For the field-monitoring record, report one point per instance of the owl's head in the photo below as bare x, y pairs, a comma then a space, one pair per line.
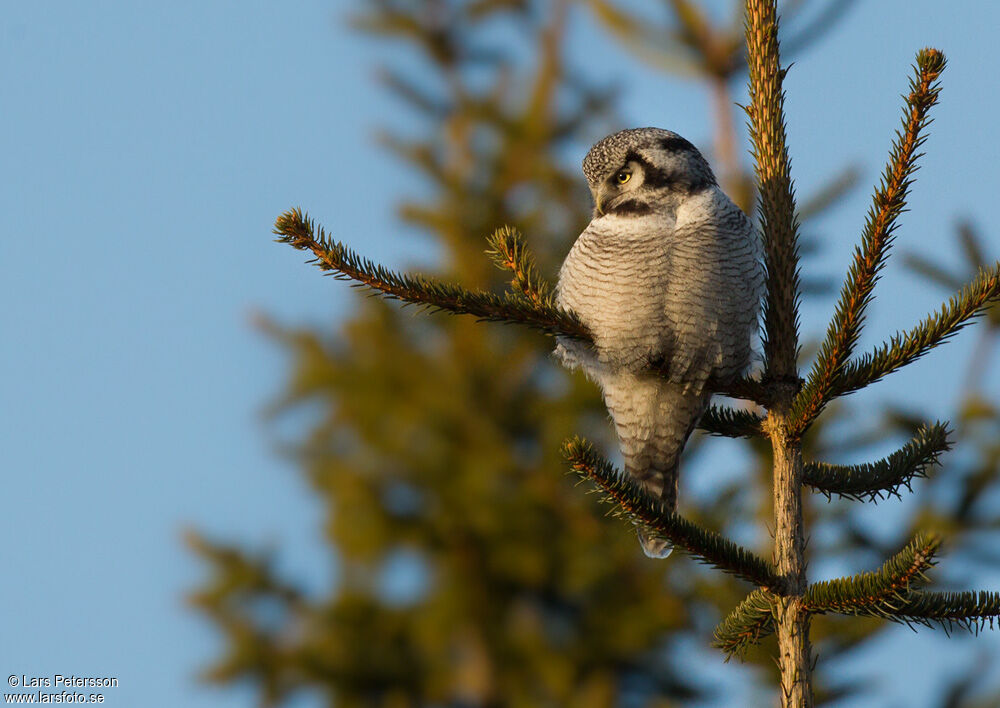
642, 170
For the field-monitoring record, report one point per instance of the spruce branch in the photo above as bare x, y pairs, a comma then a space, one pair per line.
509, 252
299, 231
731, 422
776, 203
634, 503
888, 202
871, 480
746, 625
746, 388
905, 348
877, 592
969, 610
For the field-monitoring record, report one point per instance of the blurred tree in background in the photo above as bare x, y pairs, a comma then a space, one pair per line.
434, 444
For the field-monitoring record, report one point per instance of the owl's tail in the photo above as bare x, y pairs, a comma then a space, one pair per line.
654, 419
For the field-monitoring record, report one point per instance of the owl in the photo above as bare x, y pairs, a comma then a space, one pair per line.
667, 275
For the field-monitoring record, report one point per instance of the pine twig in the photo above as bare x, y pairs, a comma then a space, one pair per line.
905, 348
509, 252
299, 231
871, 480
969, 610
746, 625
731, 422
888, 202
633, 502
777, 198
876, 592
748, 389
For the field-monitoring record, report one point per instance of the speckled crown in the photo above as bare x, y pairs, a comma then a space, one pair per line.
609, 153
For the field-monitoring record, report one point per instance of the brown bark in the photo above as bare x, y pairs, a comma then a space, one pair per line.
791, 619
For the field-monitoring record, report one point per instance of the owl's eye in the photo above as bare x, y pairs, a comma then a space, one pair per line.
623, 176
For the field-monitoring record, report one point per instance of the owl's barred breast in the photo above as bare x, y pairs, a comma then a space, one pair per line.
612, 279
677, 288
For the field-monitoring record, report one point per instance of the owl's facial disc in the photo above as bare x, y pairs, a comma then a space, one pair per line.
644, 171
618, 188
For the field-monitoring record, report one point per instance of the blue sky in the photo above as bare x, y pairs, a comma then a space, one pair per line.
147, 148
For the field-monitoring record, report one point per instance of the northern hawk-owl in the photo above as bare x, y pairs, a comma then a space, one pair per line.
668, 275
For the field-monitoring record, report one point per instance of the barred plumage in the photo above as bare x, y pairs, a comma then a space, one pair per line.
667, 272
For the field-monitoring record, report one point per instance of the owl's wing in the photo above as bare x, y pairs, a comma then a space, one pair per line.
574, 293
713, 294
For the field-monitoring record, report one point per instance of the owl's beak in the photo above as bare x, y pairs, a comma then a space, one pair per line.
599, 201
